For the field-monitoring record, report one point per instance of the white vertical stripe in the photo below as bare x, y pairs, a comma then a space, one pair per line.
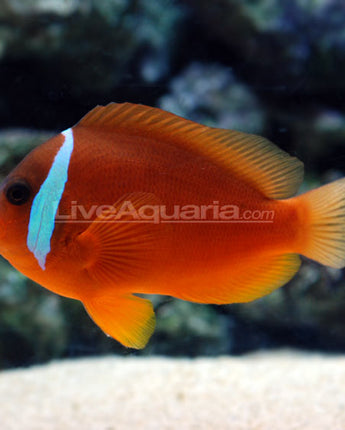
46, 202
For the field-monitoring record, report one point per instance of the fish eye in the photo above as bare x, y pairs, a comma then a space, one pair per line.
18, 193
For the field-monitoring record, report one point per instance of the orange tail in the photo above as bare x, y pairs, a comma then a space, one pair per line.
324, 224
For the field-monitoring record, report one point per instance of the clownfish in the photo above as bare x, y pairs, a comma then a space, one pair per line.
134, 200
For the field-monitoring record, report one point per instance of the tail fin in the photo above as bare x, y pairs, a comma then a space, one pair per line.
325, 236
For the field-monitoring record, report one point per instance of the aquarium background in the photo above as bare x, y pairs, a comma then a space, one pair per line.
272, 67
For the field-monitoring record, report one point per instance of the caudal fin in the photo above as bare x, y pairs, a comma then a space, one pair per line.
325, 224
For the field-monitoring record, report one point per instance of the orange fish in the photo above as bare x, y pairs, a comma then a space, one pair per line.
133, 199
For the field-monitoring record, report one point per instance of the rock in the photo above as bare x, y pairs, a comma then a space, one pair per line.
319, 138
184, 328
306, 313
15, 144
296, 43
79, 50
28, 8
210, 94
314, 133
32, 324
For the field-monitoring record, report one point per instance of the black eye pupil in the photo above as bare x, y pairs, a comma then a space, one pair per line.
18, 193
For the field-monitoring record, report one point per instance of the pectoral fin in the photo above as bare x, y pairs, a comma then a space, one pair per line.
127, 318
117, 250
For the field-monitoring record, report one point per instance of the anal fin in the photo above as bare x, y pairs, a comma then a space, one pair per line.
127, 318
246, 282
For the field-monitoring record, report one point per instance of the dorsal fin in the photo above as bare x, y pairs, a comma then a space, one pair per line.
252, 158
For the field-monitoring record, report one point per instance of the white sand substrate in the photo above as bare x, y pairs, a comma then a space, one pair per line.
271, 391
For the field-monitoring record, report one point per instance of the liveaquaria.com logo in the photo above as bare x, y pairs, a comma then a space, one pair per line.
129, 212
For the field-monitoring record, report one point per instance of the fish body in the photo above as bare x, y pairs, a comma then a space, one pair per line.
136, 200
